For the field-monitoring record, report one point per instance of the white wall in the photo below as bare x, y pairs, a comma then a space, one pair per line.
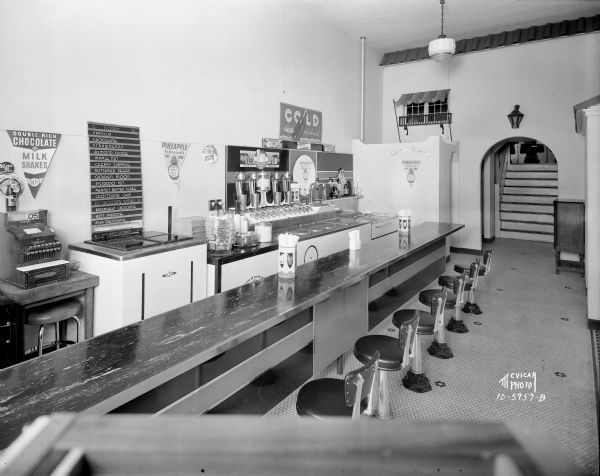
546, 78
382, 170
201, 72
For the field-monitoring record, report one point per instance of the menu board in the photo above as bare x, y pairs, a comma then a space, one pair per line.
116, 177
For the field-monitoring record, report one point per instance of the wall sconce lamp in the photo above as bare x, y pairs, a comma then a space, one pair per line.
515, 117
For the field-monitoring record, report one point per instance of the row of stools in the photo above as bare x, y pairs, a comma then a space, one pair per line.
366, 390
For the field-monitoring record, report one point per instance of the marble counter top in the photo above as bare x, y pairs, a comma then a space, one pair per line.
102, 373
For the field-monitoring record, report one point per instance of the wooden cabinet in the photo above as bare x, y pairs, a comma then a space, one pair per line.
569, 231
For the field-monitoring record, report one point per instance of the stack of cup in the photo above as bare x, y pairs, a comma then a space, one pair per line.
287, 255
404, 217
354, 240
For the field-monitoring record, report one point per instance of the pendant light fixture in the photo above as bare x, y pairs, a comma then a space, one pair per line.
442, 48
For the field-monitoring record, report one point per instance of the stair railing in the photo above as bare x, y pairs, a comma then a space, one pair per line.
504, 167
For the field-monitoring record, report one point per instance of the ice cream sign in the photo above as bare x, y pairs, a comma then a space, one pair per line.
37, 151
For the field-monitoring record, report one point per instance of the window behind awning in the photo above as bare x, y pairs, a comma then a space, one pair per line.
424, 96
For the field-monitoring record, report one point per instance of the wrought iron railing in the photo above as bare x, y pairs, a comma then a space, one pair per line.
425, 119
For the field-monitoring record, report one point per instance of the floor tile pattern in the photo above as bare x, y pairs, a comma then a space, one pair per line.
533, 321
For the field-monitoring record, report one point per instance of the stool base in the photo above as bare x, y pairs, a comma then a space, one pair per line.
441, 351
455, 325
379, 401
416, 382
474, 308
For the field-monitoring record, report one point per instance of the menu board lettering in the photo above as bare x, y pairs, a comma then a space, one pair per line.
116, 177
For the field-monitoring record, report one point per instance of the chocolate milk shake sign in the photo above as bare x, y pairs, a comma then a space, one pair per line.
38, 151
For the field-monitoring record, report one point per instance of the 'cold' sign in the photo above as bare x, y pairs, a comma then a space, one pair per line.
300, 123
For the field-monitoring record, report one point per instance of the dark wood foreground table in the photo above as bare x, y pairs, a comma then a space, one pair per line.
249, 445
103, 373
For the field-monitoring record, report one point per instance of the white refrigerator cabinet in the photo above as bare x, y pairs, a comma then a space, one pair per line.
139, 288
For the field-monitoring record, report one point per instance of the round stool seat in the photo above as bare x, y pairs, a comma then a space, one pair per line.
448, 282
54, 312
315, 399
426, 296
463, 268
426, 320
390, 357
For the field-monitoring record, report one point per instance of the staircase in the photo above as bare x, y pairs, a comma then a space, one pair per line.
526, 202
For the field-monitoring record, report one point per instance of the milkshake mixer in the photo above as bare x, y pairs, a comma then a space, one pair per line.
285, 189
252, 187
276, 188
245, 191
240, 196
263, 185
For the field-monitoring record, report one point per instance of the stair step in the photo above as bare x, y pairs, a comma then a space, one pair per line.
524, 182
514, 225
544, 174
519, 235
553, 191
526, 207
532, 167
537, 199
527, 217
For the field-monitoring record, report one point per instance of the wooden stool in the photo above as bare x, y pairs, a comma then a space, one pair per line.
54, 313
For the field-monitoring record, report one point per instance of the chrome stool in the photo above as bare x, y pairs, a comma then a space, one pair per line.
439, 348
484, 269
456, 324
429, 324
54, 313
394, 354
329, 397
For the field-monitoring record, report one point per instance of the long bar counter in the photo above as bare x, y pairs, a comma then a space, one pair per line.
103, 373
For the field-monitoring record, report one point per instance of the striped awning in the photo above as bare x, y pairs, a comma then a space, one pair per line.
506, 38
424, 96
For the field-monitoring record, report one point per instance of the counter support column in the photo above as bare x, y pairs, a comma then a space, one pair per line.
592, 210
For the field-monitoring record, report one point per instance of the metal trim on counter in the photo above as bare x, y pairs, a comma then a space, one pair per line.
125, 255
100, 374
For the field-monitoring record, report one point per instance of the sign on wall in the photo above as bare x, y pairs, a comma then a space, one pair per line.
300, 123
174, 153
38, 151
116, 176
411, 166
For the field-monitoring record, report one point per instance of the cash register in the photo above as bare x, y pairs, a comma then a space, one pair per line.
30, 252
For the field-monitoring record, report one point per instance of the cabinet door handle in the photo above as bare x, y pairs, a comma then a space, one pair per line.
169, 274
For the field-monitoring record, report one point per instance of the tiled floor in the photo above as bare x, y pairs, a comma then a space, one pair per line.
533, 321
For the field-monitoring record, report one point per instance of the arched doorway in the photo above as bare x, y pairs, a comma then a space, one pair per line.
519, 183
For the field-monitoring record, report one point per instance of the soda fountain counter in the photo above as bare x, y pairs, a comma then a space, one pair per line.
197, 357
320, 233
